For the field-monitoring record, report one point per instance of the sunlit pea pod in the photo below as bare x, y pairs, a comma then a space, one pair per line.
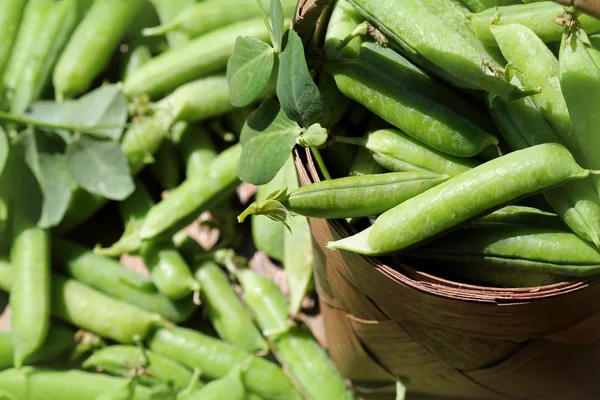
442, 50
522, 125
167, 10
10, 19
539, 17
343, 22
296, 349
123, 359
580, 84
125, 392
136, 58
414, 113
482, 5
33, 383
226, 311
31, 286
216, 359
201, 18
200, 57
523, 215
465, 197
90, 47
230, 387
197, 150
60, 339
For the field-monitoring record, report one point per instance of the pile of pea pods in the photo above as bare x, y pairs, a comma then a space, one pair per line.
462, 138
125, 271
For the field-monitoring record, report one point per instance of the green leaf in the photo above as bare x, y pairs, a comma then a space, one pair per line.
101, 112
249, 69
4, 149
57, 186
298, 94
267, 139
100, 167
277, 23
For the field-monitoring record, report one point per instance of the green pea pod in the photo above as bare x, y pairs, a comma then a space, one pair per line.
482, 5
200, 57
522, 125
353, 196
60, 340
167, 10
193, 196
465, 197
267, 234
522, 215
229, 387
201, 18
526, 248
442, 49
47, 384
122, 359
296, 349
5, 276
364, 164
57, 26
298, 258
395, 151
197, 150
414, 113
216, 359
580, 84
343, 22
32, 23
31, 287
137, 57
226, 311
126, 392
10, 19
165, 167
537, 16
89, 50
169, 271
538, 67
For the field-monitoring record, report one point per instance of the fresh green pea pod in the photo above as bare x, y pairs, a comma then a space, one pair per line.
414, 113
364, 164
125, 392
465, 197
60, 340
169, 271
47, 384
442, 49
89, 50
537, 16
122, 359
352, 196
226, 311
230, 387
252, 396
11, 12
482, 5
167, 10
31, 287
137, 57
297, 350
112, 278
206, 16
197, 150
528, 248
200, 57
343, 22
522, 125
216, 359
32, 23
57, 27
165, 167
539, 68
193, 196
522, 215
580, 84
407, 154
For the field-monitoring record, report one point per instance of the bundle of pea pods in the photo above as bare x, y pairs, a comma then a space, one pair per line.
126, 271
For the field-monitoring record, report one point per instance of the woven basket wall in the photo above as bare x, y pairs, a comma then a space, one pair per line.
386, 320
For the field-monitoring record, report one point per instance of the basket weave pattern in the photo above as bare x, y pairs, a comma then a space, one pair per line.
384, 320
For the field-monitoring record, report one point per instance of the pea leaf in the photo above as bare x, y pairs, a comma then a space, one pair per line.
249, 69
267, 139
298, 94
100, 167
57, 187
4, 149
277, 23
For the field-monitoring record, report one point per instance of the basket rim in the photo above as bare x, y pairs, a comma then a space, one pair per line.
424, 282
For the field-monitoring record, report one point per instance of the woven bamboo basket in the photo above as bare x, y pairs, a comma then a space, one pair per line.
384, 320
